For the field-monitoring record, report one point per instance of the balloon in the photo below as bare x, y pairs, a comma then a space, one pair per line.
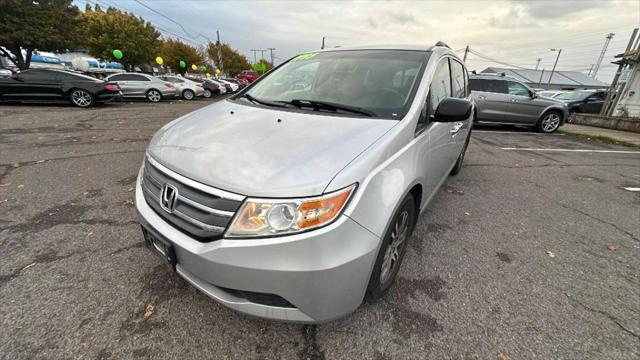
203, 68
217, 71
183, 64
159, 60
208, 75
194, 67
117, 54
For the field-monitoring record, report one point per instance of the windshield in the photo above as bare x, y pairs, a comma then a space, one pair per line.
574, 95
380, 82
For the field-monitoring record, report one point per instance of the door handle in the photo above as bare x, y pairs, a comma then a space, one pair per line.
482, 97
456, 127
513, 100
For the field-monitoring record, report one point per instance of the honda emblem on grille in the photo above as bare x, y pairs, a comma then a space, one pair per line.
168, 197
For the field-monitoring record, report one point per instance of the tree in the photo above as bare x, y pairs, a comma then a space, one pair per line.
267, 65
233, 62
113, 29
47, 25
175, 50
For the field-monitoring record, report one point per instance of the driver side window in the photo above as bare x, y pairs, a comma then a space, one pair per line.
439, 90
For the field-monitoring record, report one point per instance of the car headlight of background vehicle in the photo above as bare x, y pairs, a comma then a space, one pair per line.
269, 217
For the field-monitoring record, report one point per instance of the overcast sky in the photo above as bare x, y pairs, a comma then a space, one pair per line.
513, 32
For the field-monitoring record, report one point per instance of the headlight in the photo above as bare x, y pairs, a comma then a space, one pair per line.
269, 217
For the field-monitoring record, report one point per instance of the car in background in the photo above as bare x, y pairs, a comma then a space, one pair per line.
583, 101
231, 87
249, 75
143, 86
549, 94
502, 99
186, 88
211, 88
53, 84
242, 83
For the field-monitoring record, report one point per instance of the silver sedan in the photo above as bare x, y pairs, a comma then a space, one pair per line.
186, 88
137, 85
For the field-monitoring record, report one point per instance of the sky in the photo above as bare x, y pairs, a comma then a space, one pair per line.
513, 32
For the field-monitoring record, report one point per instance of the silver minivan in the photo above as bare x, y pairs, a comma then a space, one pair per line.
295, 199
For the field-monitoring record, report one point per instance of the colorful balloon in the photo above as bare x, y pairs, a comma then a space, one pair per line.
117, 54
208, 75
159, 60
194, 67
183, 64
217, 71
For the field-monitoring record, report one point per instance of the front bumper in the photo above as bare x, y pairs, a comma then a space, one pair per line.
323, 273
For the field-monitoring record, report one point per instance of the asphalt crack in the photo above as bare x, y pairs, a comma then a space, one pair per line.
310, 348
632, 236
607, 315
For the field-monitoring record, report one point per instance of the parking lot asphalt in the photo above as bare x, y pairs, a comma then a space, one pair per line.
525, 254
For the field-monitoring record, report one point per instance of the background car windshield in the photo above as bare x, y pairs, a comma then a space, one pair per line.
573, 95
381, 81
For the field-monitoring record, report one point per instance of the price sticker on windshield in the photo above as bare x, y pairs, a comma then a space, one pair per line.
305, 57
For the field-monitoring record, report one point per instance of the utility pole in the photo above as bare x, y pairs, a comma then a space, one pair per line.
554, 66
538, 62
466, 51
604, 49
219, 46
540, 81
607, 108
322, 47
255, 60
591, 68
271, 51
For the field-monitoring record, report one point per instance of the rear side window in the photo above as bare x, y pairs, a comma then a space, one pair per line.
136, 78
495, 86
120, 77
516, 88
457, 79
476, 85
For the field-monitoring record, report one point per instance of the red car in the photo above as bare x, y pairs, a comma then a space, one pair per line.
249, 75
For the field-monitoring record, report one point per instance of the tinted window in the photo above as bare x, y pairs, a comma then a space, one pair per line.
476, 85
457, 79
37, 75
440, 86
62, 75
119, 77
517, 89
495, 86
132, 77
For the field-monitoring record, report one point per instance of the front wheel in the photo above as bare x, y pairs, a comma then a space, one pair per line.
207, 93
549, 123
392, 250
154, 96
82, 98
188, 95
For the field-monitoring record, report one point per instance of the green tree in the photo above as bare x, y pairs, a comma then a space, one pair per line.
47, 25
175, 50
267, 65
113, 29
233, 62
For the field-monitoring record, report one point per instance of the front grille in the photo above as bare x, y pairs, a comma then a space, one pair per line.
199, 210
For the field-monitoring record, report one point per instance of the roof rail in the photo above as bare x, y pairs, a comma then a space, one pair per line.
442, 43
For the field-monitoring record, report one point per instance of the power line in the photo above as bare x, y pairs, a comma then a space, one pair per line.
173, 21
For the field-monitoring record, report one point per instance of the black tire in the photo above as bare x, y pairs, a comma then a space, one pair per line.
82, 98
458, 166
154, 96
207, 93
188, 95
546, 125
380, 284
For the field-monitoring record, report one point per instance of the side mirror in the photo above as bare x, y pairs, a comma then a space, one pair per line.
533, 94
453, 110
15, 75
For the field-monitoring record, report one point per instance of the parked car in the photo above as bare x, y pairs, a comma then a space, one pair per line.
242, 83
186, 88
503, 99
50, 84
296, 205
549, 94
583, 101
137, 85
249, 75
231, 87
210, 88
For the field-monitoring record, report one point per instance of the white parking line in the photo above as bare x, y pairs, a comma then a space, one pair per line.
515, 132
575, 150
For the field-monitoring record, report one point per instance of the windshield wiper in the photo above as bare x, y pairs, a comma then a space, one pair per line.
262, 102
330, 106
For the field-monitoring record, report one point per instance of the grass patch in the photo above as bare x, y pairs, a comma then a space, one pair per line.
598, 138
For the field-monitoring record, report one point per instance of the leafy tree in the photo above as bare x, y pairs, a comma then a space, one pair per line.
175, 50
47, 25
113, 29
233, 62
267, 65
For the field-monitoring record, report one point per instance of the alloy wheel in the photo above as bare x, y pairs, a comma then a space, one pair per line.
394, 249
550, 122
154, 95
188, 94
81, 98
207, 93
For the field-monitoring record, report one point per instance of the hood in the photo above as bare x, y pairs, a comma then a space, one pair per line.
263, 151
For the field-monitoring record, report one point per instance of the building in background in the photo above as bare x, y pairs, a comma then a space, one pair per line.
561, 80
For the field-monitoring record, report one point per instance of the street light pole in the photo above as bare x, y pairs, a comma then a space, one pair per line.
538, 62
554, 66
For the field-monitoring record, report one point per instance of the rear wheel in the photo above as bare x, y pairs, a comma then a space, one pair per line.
392, 250
549, 122
207, 93
154, 96
188, 95
82, 98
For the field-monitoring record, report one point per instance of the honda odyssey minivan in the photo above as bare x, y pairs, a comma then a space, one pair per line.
295, 199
